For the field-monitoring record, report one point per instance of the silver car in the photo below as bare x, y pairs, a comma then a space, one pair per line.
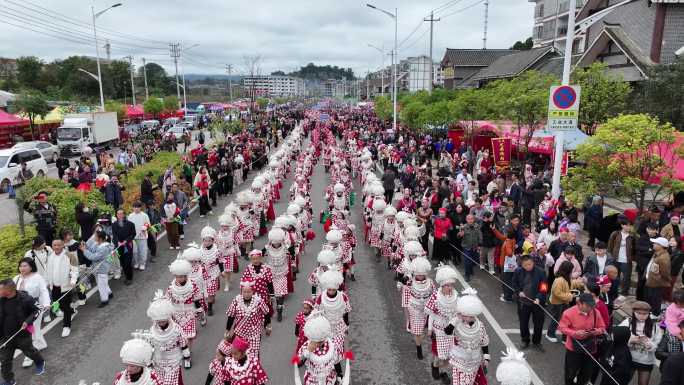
49, 151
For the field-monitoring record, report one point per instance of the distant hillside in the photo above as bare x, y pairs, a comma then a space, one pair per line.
314, 72
213, 77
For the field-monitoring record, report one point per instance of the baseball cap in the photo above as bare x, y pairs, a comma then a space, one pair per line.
660, 241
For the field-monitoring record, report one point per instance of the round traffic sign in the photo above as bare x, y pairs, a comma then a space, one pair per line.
564, 97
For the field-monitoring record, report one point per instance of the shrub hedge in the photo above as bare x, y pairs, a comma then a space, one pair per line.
13, 247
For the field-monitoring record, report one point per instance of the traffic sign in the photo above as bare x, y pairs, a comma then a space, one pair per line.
564, 102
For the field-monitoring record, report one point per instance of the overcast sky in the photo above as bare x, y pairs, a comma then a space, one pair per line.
287, 34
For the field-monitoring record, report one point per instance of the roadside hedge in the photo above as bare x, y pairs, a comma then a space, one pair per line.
13, 247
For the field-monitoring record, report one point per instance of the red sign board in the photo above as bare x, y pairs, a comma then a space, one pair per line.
564, 163
501, 151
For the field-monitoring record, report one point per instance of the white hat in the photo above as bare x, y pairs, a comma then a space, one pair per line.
280, 222
293, 209
136, 352
402, 216
276, 235
326, 257
242, 199
192, 253
258, 182
469, 304
420, 266
445, 274
513, 370
413, 248
273, 163
180, 267
291, 220
334, 236
410, 222
331, 279
317, 328
378, 190
411, 233
338, 188
390, 211
239, 159
160, 308
231, 209
379, 204
660, 241
208, 232
300, 201
226, 220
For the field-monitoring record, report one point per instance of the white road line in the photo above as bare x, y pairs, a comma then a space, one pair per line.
501, 332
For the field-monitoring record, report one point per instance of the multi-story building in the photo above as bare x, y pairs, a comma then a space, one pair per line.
334, 88
419, 69
275, 86
551, 23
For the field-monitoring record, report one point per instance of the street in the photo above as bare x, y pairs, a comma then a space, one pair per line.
384, 352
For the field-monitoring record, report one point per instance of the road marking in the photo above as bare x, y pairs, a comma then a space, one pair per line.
501, 332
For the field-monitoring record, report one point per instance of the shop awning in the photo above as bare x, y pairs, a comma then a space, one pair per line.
9, 120
136, 111
53, 117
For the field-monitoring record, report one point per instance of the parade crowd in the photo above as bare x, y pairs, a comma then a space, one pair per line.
435, 215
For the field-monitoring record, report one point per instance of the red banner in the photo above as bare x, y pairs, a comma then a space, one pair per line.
564, 163
501, 150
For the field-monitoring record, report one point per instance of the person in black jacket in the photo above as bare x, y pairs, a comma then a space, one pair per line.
86, 220
515, 194
530, 288
45, 214
147, 190
619, 360
123, 233
62, 164
644, 252
673, 370
17, 311
112, 192
489, 242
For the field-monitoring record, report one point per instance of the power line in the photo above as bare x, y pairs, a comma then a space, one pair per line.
446, 6
418, 39
53, 14
410, 34
463, 9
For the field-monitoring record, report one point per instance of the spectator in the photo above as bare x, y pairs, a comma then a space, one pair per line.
569, 255
62, 275
581, 324
147, 190
644, 251
515, 193
595, 265
643, 341
471, 239
39, 255
17, 310
673, 370
123, 234
619, 361
549, 234
113, 192
572, 242
657, 274
621, 246
25, 174
669, 344
62, 165
182, 203
557, 246
45, 214
593, 219
35, 286
142, 222
442, 225
489, 243
561, 297
529, 284
674, 314
98, 250
202, 184
171, 212
388, 178
86, 219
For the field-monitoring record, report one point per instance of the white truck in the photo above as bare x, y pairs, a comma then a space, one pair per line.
78, 131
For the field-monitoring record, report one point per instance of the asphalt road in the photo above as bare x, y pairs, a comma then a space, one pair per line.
384, 352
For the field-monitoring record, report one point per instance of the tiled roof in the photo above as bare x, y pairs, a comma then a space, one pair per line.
625, 44
512, 65
474, 57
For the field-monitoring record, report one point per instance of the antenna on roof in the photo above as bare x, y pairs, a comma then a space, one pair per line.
486, 19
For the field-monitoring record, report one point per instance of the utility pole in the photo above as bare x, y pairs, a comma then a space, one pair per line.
147, 93
132, 69
108, 49
486, 20
229, 68
367, 85
175, 54
432, 21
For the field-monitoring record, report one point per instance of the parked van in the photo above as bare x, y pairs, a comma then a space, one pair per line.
10, 164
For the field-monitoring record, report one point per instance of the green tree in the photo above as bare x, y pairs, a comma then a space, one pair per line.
661, 94
154, 106
117, 78
262, 103
158, 82
28, 71
602, 96
383, 108
437, 115
119, 108
623, 158
170, 103
410, 115
523, 45
33, 104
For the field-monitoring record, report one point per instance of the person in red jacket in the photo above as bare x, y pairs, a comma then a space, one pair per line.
442, 225
202, 184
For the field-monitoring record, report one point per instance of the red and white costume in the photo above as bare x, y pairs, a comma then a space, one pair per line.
377, 220
336, 308
387, 231
279, 261
229, 251
210, 260
245, 371
185, 299
319, 363
466, 355
419, 293
248, 318
246, 225
440, 309
262, 275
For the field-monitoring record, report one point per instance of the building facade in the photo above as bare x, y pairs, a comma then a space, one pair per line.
274, 86
458, 66
551, 24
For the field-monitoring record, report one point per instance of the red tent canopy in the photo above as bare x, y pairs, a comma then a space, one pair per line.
669, 155
9, 120
134, 112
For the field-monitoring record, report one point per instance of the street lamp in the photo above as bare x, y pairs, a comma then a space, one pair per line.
185, 100
97, 49
394, 64
573, 29
382, 71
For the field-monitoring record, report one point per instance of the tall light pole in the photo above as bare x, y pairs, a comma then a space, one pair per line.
97, 49
382, 71
394, 62
185, 100
584, 24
